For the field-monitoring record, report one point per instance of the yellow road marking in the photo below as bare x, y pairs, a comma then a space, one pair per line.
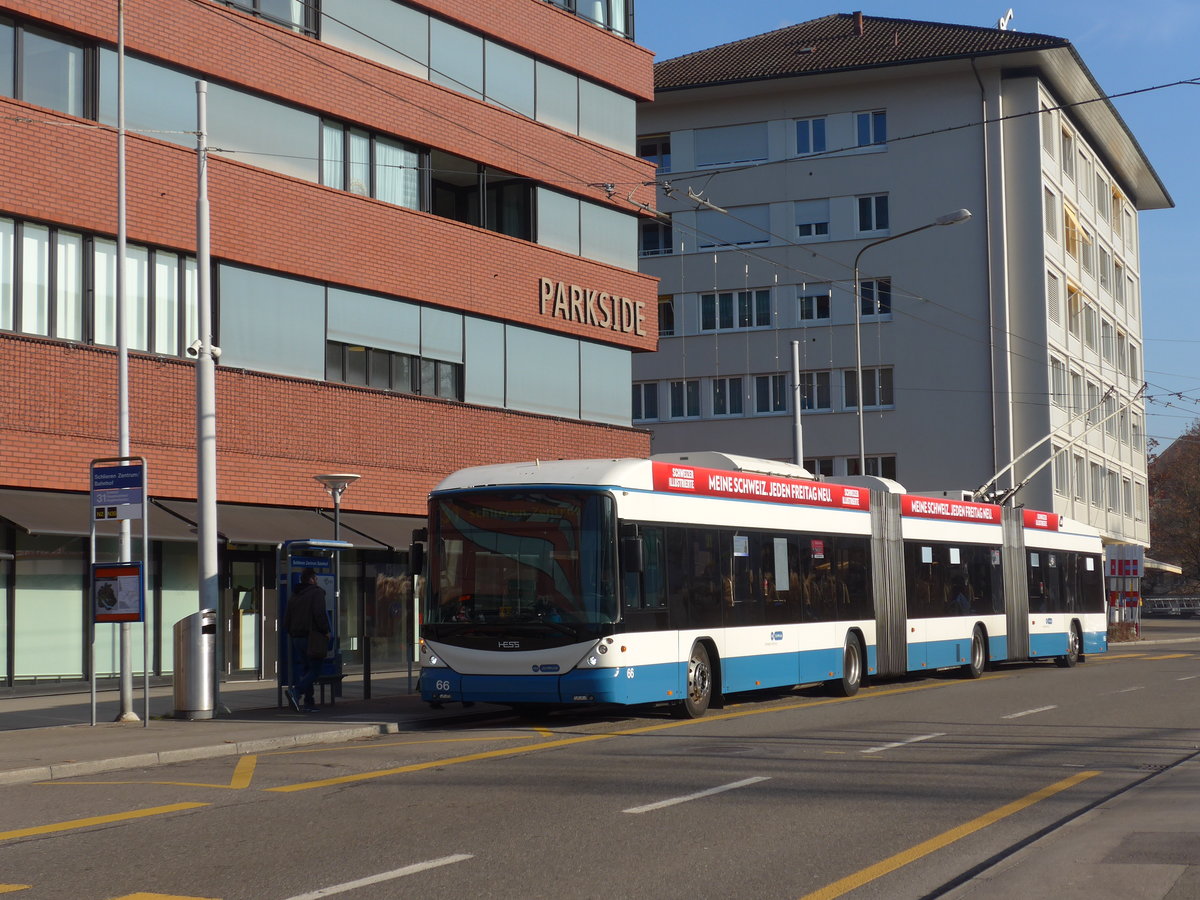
97, 820
1171, 656
591, 738
375, 745
145, 896
13, 888
243, 772
903, 858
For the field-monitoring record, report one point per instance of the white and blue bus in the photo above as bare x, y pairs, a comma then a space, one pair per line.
686, 578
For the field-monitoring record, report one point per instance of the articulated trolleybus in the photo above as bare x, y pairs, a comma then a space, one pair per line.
682, 579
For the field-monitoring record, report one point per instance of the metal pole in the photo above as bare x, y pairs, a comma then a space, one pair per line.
858, 373
125, 542
797, 399
206, 402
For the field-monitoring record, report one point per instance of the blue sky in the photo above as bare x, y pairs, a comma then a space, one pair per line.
1127, 47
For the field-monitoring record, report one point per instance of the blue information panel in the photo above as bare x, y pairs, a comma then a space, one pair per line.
118, 492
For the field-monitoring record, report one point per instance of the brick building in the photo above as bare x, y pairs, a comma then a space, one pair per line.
424, 255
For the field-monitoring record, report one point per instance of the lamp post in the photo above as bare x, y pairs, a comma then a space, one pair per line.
953, 218
336, 484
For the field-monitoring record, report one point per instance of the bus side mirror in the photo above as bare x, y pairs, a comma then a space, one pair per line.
632, 554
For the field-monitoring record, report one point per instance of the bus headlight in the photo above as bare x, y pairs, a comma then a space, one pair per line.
430, 659
593, 660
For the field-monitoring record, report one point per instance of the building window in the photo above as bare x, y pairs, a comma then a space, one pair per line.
1089, 326
727, 396
645, 401
656, 149
1113, 492
1071, 233
50, 71
1126, 497
770, 393
876, 297
1080, 477
1102, 195
1093, 403
666, 315
1135, 367
879, 466
387, 370
614, 15
1110, 414
737, 227
822, 466
810, 136
1118, 282
1050, 207
1136, 439
1076, 393
877, 389
685, 399
361, 163
1062, 472
815, 391
814, 304
1097, 480
735, 309
1058, 382
873, 213
1086, 243
872, 128
1068, 154
1048, 130
1074, 309
1053, 298
654, 238
730, 144
292, 14
1107, 341
812, 219
1106, 269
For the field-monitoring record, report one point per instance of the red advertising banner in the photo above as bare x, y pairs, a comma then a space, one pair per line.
955, 510
1042, 520
684, 479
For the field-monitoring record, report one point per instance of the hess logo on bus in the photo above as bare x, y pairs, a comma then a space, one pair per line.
509, 645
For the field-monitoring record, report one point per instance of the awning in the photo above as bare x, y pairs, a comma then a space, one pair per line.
54, 512
246, 524
1169, 568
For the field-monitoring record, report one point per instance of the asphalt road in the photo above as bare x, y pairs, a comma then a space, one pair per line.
780, 795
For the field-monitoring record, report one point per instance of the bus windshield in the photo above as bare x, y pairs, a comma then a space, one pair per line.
528, 558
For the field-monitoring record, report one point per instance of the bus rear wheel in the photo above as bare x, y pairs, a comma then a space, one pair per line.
698, 693
978, 659
852, 669
1074, 647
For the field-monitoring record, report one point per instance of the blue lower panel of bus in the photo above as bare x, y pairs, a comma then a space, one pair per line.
1048, 644
748, 673
627, 685
939, 654
1095, 642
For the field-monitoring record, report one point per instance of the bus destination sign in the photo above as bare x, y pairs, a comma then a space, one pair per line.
683, 479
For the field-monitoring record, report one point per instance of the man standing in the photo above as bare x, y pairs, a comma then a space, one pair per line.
305, 616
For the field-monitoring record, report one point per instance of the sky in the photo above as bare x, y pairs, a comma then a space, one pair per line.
1127, 48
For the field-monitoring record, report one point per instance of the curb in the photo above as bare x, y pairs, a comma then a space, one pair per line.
58, 771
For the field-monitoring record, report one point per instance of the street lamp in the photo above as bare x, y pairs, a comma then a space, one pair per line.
336, 485
953, 218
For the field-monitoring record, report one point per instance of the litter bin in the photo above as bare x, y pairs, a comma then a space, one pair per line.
195, 660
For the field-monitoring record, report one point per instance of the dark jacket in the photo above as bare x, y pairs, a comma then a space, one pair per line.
306, 612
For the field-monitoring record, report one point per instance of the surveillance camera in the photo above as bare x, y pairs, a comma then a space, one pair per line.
194, 348
215, 351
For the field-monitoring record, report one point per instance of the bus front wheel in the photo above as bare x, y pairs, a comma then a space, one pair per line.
852, 669
698, 693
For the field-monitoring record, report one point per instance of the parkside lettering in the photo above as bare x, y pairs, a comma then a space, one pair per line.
597, 309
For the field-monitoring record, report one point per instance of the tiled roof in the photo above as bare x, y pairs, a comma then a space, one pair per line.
832, 43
